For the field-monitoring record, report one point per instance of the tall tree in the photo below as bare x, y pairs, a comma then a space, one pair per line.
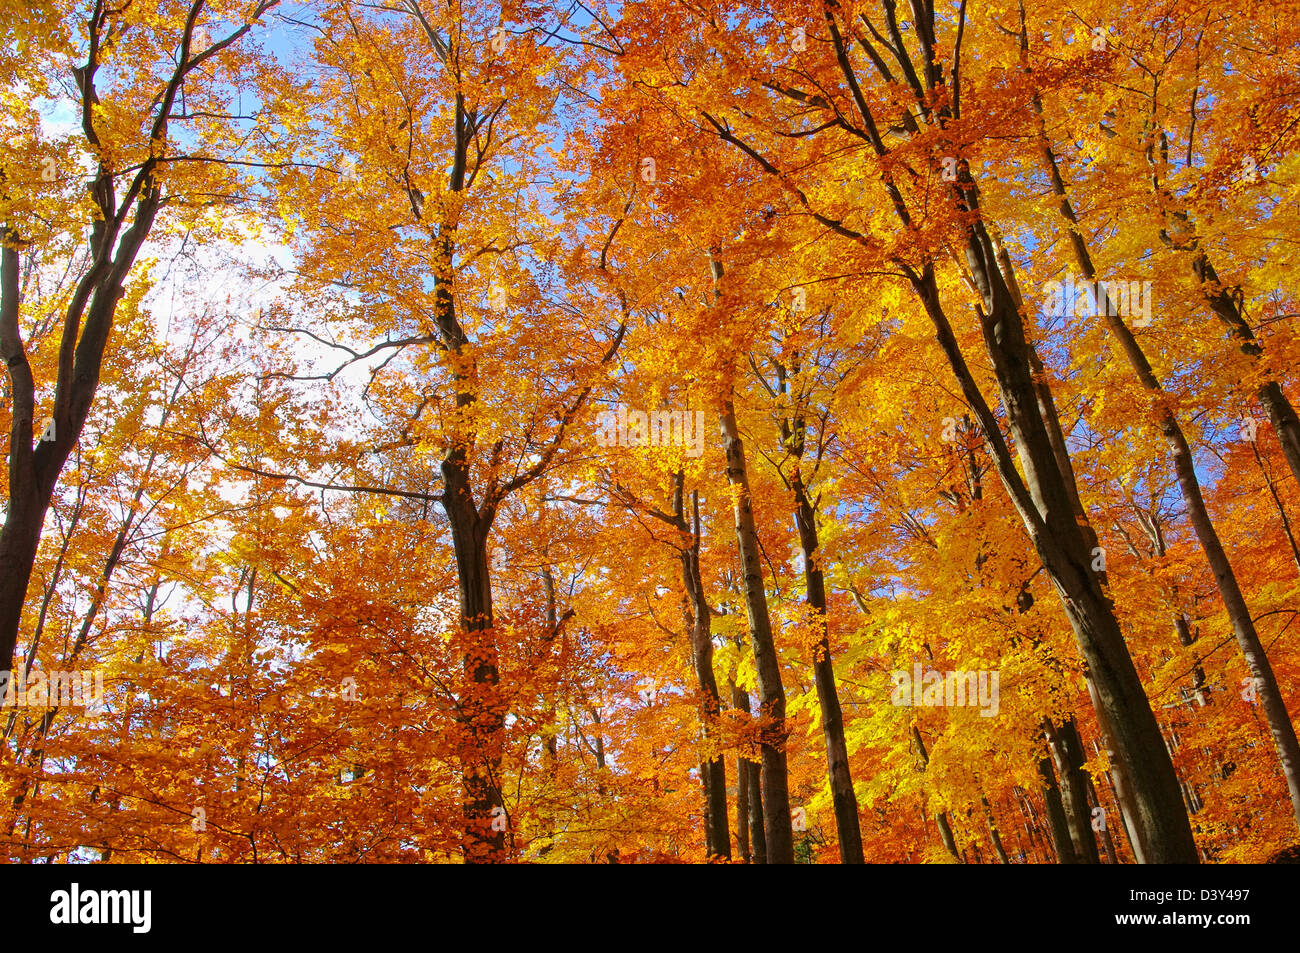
162, 77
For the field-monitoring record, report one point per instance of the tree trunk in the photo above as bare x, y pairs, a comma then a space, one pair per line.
1060, 827
1056, 438
1271, 397
713, 772
1067, 755
1252, 649
777, 826
794, 440
946, 835
551, 746
941, 819
740, 701
749, 782
1107, 841
1044, 505
482, 712
837, 752
754, 780
993, 831
1041, 498
87, 325
30, 483
550, 743
1123, 797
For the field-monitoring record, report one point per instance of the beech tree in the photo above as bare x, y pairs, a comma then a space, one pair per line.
819, 432
152, 92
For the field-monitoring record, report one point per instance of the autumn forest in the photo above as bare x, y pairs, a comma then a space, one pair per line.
714, 431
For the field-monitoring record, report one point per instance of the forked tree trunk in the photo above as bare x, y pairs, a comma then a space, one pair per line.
1041, 497
1062, 542
34, 468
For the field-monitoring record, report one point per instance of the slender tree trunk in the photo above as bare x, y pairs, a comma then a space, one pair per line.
1227, 308
553, 624
1041, 497
754, 779
740, 701
749, 779
1043, 502
713, 772
1067, 756
946, 835
1056, 818
1107, 842
777, 826
1252, 649
843, 797
941, 818
1122, 786
794, 440
1277, 503
550, 743
994, 836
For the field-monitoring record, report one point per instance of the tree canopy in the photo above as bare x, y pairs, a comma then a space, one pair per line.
817, 431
